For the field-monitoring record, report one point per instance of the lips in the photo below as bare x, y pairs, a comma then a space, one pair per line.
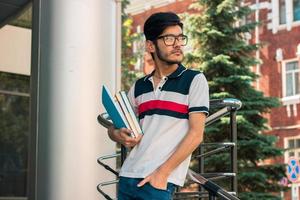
177, 52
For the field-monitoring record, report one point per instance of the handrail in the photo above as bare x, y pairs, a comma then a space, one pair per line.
99, 160
225, 147
103, 119
217, 103
227, 105
100, 185
210, 186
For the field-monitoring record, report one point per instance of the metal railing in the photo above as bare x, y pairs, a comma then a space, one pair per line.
208, 189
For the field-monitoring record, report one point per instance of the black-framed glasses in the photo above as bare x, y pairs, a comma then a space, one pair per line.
170, 39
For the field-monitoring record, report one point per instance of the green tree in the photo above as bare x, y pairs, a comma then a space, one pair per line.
128, 59
221, 51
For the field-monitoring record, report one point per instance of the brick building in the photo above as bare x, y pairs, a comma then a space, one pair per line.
279, 71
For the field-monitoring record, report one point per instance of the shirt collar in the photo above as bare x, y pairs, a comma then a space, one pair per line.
177, 73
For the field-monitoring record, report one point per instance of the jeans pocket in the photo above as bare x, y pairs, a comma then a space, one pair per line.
153, 193
157, 189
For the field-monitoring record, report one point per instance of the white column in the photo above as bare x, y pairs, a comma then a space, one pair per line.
77, 55
118, 44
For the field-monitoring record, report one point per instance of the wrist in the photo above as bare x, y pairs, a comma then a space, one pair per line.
164, 170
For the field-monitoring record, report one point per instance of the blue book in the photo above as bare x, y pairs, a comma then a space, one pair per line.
113, 109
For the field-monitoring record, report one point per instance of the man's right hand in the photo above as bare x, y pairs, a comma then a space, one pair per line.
123, 136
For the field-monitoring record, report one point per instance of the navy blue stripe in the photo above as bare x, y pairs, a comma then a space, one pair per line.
181, 84
142, 87
164, 112
201, 108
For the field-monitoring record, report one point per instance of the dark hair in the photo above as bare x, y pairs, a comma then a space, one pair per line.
158, 22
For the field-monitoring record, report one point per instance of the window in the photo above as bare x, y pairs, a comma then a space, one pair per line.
285, 15
291, 144
292, 78
291, 154
14, 126
282, 12
296, 10
294, 143
298, 143
292, 147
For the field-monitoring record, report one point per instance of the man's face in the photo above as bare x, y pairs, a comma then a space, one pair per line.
166, 50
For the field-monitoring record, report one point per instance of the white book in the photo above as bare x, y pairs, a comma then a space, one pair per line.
131, 112
127, 115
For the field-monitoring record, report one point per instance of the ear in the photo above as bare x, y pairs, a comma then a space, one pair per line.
150, 47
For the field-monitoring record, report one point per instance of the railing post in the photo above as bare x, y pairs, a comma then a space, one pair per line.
211, 197
233, 138
201, 166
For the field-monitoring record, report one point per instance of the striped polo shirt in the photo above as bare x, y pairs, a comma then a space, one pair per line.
163, 114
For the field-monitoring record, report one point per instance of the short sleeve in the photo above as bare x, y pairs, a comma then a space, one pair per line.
132, 99
199, 95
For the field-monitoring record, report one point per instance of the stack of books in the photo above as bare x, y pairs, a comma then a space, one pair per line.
120, 111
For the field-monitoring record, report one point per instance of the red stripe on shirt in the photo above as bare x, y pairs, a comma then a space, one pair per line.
164, 105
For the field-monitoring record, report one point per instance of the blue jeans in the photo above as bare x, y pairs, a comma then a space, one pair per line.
128, 190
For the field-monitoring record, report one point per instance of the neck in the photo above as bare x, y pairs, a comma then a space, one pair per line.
162, 70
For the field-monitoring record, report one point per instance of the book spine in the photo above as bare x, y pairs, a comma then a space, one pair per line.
121, 113
131, 112
127, 115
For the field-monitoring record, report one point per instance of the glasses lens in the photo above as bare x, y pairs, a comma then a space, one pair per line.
182, 40
169, 40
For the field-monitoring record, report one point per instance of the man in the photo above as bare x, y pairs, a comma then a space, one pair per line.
172, 104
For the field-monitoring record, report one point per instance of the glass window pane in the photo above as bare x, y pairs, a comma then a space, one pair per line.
292, 66
14, 126
282, 12
298, 143
289, 84
297, 83
291, 154
291, 144
296, 10
14, 83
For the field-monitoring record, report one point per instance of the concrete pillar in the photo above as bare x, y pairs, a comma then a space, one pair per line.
74, 53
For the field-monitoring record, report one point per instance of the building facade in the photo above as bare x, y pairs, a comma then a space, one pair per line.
279, 70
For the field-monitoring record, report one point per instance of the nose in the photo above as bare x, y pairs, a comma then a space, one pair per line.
176, 40
177, 43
